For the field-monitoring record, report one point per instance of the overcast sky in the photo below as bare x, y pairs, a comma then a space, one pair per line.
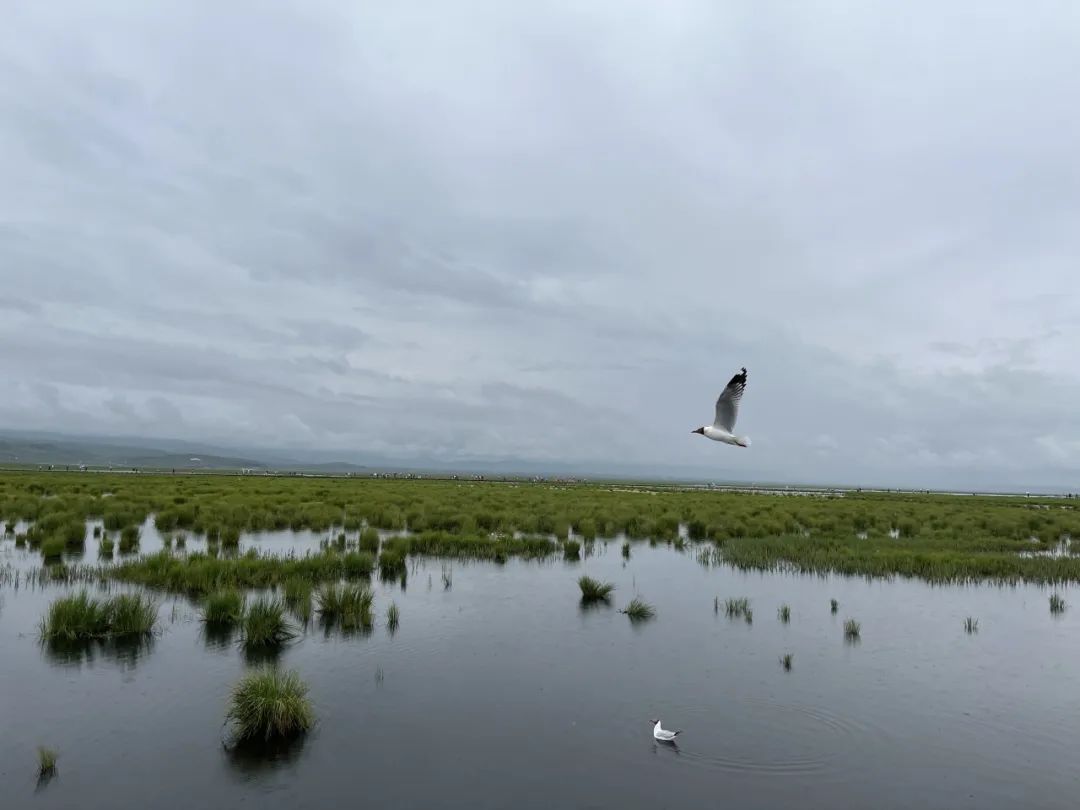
550, 230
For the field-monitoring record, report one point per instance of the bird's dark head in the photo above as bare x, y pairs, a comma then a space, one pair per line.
700, 430
654, 722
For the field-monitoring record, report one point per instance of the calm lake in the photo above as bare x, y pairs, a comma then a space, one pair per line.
502, 691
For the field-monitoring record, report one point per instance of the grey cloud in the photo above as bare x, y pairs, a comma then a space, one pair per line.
550, 232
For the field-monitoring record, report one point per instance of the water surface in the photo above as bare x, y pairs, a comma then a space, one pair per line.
503, 692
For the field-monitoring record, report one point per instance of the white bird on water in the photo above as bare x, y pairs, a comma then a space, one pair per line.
662, 734
727, 410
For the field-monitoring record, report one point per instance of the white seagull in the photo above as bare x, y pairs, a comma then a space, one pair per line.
727, 410
662, 734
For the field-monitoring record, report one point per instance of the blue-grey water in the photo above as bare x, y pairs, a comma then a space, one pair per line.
501, 691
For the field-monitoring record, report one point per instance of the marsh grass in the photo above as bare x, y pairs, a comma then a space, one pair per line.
971, 625
264, 624
447, 578
46, 762
53, 548
639, 609
346, 605
269, 705
1057, 603
852, 630
594, 591
572, 550
80, 617
392, 564
626, 550
737, 608
369, 541
129, 539
224, 608
834, 605
716, 605
105, 548
784, 613
748, 616
786, 660
392, 617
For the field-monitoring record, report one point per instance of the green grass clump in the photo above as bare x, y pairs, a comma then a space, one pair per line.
572, 550
264, 624
786, 660
9, 528
297, 590
1057, 603
639, 609
369, 540
358, 564
971, 625
105, 548
346, 605
626, 549
79, 617
834, 605
53, 548
270, 705
131, 614
391, 563
129, 539
224, 608
852, 630
46, 762
784, 613
736, 608
594, 591
230, 538
392, 617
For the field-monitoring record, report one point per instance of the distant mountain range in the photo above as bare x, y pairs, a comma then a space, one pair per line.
39, 448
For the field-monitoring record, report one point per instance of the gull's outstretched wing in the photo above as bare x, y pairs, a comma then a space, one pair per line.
727, 406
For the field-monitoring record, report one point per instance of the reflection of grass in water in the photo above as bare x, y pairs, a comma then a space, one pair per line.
852, 630
447, 578
639, 609
593, 590
971, 625
1057, 603
834, 605
626, 550
784, 613
269, 705
786, 660
572, 550
392, 617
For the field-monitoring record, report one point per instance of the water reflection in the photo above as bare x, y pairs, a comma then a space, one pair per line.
217, 636
263, 655
252, 758
126, 651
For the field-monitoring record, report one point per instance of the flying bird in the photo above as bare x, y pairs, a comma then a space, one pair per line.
662, 734
727, 410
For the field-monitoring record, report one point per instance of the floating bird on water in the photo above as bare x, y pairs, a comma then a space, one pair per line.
727, 410
662, 734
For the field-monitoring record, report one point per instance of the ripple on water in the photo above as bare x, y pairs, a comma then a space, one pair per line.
787, 740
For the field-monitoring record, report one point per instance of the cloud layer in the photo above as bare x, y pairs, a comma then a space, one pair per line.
551, 232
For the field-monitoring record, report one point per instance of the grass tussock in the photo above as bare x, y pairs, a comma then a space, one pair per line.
269, 705
639, 609
46, 761
264, 624
784, 613
572, 550
593, 590
1057, 603
224, 608
81, 617
786, 660
833, 606
392, 617
369, 541
971, 625
346, 605
737, 608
